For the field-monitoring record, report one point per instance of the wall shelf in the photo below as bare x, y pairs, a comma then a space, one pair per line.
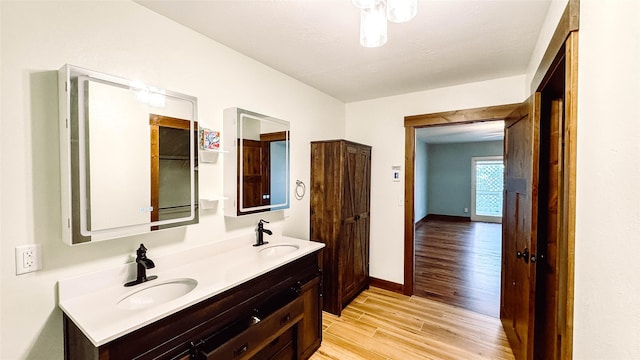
210, 203
210, 156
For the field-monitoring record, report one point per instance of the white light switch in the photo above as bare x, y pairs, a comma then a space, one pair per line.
396, 172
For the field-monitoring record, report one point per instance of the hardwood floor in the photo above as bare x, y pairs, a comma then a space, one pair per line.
380, 324
459, 263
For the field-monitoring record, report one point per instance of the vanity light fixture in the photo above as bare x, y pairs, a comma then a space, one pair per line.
374, 15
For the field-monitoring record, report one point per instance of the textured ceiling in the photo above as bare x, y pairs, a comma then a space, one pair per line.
483, 131
448, 43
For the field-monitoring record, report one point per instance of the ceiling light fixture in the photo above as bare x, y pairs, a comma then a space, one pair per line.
374, 15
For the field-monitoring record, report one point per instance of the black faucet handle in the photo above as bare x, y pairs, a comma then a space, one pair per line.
143, 263
260, 224
141, 252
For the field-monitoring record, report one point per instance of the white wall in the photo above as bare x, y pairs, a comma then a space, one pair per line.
380, 123
607, 289
556, 9
1, 182
127, 40
421, 173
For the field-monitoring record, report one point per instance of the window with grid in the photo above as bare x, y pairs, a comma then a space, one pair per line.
489, 179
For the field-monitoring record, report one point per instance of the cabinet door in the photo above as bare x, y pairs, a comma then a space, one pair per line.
310, 327
357, 181
354, 242
354, 259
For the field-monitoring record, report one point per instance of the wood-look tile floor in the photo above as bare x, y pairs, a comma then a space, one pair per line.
380, 324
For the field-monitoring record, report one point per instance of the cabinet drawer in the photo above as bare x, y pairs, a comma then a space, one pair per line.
286, 353
257, 336
277, 348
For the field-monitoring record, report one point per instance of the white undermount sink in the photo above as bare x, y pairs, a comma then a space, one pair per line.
156, 292
277, 250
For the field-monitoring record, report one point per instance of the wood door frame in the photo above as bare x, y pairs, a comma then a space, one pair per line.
564, 44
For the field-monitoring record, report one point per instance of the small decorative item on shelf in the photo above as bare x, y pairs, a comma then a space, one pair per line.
209, 139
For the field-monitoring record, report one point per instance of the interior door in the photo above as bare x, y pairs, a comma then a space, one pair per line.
356, 221
521, 156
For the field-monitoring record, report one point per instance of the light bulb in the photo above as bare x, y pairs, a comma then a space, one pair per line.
399, 11
365, 4
373, 26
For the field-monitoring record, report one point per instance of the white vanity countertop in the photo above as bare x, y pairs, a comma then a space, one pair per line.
90, 300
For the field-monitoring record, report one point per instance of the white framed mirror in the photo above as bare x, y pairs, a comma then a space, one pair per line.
256, 165
128, 157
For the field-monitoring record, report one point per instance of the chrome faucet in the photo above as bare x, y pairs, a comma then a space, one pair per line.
260, 231
144, 263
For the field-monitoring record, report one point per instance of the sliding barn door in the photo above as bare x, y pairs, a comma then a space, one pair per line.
521, 154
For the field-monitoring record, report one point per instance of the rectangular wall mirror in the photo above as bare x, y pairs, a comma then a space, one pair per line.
256, 165
128, 157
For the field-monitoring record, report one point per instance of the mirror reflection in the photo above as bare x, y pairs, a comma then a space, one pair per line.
261, 161
128, 157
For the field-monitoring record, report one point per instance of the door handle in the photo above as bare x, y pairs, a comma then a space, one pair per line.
241, 350
524, 255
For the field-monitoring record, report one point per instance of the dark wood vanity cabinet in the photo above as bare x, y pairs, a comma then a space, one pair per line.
277, 315
340, 199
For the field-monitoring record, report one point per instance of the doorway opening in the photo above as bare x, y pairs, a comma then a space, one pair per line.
458, 174
412, 124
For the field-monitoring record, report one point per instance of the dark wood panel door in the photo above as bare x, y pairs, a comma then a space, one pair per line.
517, 308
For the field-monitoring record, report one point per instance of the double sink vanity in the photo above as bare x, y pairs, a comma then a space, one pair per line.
133, 158
227, 300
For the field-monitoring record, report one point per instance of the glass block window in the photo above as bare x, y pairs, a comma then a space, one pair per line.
489, 185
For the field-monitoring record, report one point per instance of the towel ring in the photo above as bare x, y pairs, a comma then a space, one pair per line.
300, 193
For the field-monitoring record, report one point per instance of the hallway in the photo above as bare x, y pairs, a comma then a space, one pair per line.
459, 263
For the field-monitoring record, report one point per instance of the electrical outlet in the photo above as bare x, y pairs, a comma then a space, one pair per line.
466, 210
28, 258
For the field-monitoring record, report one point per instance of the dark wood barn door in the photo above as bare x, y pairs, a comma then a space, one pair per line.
356, 219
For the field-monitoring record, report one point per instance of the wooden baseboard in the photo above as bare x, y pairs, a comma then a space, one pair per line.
446, 218
386, 285
422, 220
